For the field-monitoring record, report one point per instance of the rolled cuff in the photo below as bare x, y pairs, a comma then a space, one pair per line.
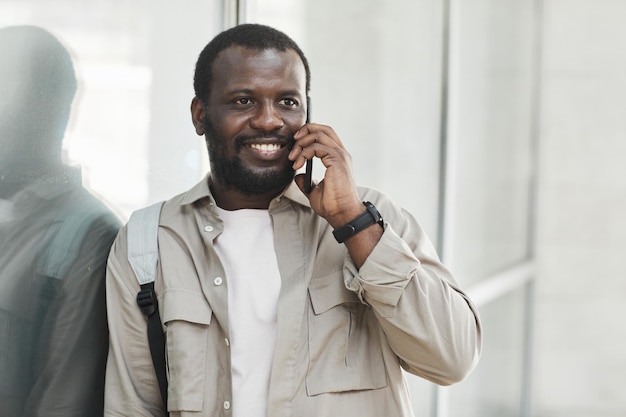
385, 273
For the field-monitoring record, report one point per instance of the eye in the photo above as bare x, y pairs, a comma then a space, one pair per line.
289, 102
244, 101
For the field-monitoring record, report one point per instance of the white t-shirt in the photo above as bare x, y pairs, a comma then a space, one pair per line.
246, 249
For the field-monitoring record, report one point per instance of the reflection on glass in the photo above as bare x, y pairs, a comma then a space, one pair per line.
54, 240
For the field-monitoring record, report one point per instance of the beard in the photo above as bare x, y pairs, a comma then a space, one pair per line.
233, 174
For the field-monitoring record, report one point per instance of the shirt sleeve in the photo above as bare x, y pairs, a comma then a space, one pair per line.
131, 388
429, 322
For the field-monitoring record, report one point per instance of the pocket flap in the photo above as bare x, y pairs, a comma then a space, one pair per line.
329, 291
180, 304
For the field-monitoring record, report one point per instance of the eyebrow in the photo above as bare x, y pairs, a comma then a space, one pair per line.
250, 92
290, 93
246, 91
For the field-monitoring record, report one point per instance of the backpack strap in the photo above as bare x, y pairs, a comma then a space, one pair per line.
143, 255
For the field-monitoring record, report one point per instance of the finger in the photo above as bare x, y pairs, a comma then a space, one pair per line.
307, 148
311, 133
315, 150
295, 151
301, 157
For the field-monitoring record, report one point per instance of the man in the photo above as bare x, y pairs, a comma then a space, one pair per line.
54, 240
265, 312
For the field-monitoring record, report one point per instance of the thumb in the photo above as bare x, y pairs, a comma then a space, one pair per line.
299, 180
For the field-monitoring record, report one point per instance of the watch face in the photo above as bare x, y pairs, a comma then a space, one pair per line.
378, 218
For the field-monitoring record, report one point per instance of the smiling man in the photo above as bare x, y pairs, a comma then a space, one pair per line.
256, 104
276, 302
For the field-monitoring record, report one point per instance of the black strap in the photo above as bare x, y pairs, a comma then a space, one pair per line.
146, 298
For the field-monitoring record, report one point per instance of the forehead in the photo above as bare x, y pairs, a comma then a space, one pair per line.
238, 67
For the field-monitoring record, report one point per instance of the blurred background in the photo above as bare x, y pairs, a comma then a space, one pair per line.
500, 124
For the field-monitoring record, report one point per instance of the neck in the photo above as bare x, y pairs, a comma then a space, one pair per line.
230, 199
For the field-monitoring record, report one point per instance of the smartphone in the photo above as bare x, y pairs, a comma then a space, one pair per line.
308, 172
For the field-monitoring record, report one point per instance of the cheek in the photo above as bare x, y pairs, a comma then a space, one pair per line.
228, 126
295, 120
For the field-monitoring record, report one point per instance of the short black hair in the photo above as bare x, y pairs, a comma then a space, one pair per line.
249, 35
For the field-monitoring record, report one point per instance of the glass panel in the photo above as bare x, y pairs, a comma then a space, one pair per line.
491, 121
494, 388
130, 121
65, 187
376, 79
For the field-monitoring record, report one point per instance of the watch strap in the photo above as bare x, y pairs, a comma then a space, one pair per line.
369, 217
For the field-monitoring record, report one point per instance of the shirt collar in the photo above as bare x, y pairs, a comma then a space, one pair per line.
202, 190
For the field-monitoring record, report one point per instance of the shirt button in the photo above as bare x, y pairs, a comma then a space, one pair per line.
226, 405
227, 341
208, 228
218, 281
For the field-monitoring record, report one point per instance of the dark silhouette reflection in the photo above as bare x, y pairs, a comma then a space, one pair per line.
54, 240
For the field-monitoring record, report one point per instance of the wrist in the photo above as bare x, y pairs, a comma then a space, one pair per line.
344, 213
362, 221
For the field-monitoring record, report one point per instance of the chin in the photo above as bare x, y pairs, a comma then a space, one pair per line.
258, 182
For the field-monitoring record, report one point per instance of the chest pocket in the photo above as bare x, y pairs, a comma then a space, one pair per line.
344, 340
186, 317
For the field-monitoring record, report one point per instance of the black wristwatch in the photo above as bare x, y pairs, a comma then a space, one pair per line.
369, 217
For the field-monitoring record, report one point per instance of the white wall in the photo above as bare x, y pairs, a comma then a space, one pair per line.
581, 304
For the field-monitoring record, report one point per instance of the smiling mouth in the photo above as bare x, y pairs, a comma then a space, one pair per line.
266, 147
268, 151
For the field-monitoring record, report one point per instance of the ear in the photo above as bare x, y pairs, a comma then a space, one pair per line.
197, 115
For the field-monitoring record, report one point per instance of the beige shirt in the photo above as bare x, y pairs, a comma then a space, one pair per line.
343, 334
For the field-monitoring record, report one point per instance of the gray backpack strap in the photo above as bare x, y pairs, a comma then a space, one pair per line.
143, 249
143, 255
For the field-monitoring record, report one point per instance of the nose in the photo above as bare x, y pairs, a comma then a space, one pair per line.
266, 118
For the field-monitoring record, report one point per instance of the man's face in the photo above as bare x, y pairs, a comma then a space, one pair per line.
257, 102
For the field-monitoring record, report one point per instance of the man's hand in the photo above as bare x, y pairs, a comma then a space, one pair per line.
335, 198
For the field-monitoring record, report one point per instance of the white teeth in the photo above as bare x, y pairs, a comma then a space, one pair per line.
265, 147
